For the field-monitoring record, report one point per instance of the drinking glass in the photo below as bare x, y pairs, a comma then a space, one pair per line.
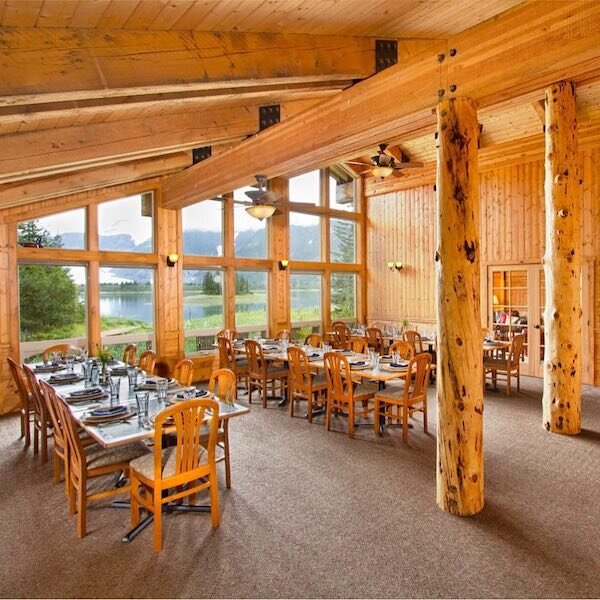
69, 360
55, 357
94, 374
132, 376
84, 353
114, 384
161, 390
141, 399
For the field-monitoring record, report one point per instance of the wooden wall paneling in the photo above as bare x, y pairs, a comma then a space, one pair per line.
9, 313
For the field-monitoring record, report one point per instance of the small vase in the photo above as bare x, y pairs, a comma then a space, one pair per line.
104, 375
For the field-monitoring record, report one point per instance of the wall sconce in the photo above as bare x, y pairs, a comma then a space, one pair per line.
172, 259
395, 266
283, 264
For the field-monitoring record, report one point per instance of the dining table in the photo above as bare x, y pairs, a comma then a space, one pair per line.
130, 428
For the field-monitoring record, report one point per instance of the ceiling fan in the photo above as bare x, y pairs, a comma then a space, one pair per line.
265, 202
385, 163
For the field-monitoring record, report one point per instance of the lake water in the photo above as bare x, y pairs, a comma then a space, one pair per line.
139, 306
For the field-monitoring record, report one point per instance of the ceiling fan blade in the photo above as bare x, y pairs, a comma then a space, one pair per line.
397, 173
242, 203
355, 162
409, 165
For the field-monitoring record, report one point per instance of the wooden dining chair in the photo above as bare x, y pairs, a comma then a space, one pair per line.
507, 366
358, 344
314, 340
375, 339
304, 384
62, 349
261, 373
26, 409
229, 359
147, 361
230, 334
183, 372
176, 472
41, 419
341, 335
223, 384
410, 398
283, 334
414, 338
343, 393
129, 354
88, 463
404, 349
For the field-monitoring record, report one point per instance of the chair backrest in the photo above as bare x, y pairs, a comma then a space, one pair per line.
129, 354
186, 421
414, 337
358, 344
283, 334
374, 338
52, 403
183, 371
223, 384
313, 339
255, 356
403, 348
300, 377
20, 381
230, 334
77, 459
37, 398
516, 347
147, 361
415, 387
226, 353
340, 386
61, 349
341, 335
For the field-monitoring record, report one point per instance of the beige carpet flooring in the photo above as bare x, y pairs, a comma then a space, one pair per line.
314, 514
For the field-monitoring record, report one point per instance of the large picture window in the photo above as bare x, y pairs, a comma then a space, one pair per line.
251, 302
306, 188
203, 301
202, 226
305, 302
250, 234
125, 225
342, 241
341, 190
343, 296
127, 307
305, 237
62, 230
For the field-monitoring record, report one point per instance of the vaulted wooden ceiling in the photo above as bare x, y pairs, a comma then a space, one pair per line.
96, 92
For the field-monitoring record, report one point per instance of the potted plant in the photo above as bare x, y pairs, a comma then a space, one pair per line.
104, 356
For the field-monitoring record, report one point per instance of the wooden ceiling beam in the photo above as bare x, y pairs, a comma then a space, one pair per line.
15, 194
36, 154
59, 65
512, 55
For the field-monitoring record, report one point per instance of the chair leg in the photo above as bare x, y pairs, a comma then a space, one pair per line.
56, 464
157, 511
518, 380
309, 405
36, 438
328, 415
376, 415
405, 424
351, 420
508, 383
81, 511
134, 504
215, 515
425, 415
44, 444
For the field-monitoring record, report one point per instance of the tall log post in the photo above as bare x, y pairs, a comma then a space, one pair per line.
460, 363
562, 265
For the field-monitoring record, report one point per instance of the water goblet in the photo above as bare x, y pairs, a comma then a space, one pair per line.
141, 399
69, 360
132, 376
114, 384
162, 386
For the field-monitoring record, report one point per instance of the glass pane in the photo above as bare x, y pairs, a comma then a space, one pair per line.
52, 307
202, 307
509, 303
125, 225
305, 236
343, 241
202, 226
127, 308
305, 298
63, 230
306, 188
341, 190
251, 304
250, 234
343, 295
542, 309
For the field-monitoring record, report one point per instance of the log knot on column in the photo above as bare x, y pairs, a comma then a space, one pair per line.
470, 251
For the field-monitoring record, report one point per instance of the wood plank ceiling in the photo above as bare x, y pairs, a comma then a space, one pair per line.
90, 84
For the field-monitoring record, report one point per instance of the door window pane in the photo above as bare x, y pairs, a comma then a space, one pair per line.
305, 236
52, 307
125, 225
305, 303
250, 234
343, 295
343, 241
341, 190
62, 230
202, 226
127, 308
251, 302
306, 188
202, 307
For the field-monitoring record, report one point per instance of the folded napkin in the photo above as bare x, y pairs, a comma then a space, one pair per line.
270, 347
399, 365
386, 356
313, 355
93, 391
199, 394
109, 411
64, 377
48, 368
345, 350
119, 371
358, 363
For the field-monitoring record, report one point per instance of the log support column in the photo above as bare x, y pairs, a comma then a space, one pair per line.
562, 265
460, 365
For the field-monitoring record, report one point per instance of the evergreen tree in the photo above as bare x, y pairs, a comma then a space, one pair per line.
343, 292
210, 286
242, 286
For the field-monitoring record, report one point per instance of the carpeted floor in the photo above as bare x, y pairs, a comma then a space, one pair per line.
314, 514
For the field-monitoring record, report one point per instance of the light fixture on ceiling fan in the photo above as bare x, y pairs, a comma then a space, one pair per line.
384, 163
